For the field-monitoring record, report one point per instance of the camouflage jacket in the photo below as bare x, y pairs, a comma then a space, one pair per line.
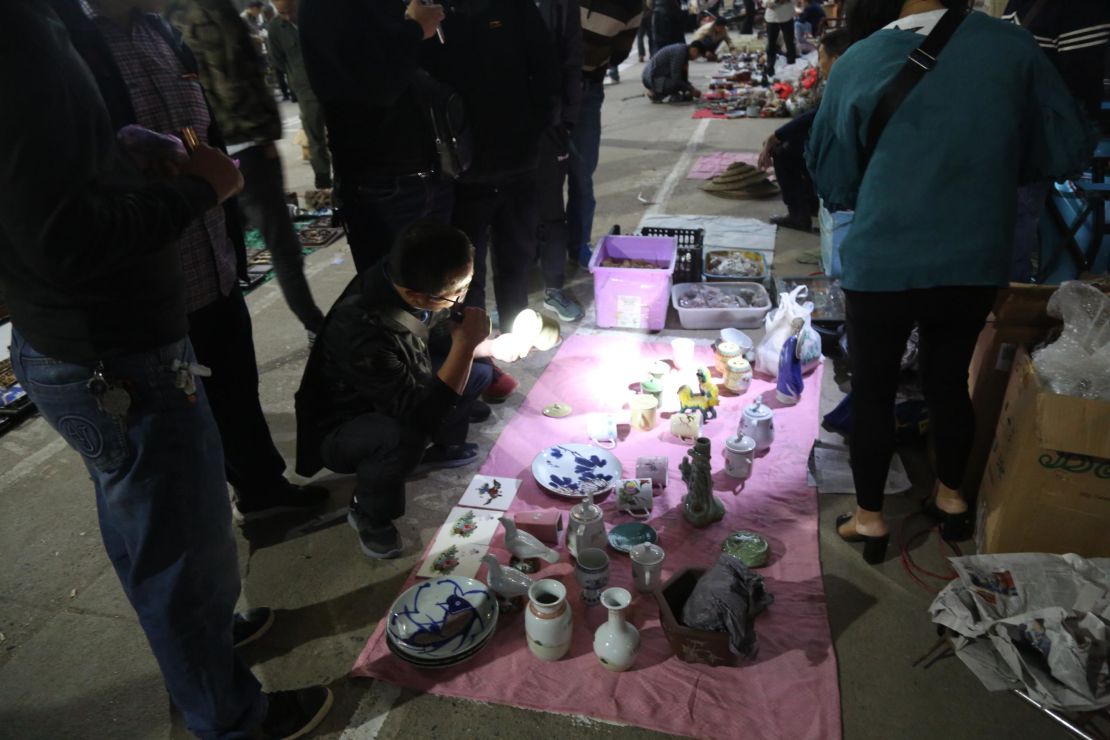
231, 70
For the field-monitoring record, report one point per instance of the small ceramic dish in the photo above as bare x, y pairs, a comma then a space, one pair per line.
748, 547
624, 537
442, 617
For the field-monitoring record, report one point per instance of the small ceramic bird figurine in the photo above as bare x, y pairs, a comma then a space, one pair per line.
508, 583
524, 545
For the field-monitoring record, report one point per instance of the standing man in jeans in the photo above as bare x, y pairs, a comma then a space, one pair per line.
285, 52
96, 293
609, 29
362, 58
148, 77
235, 84
563, 21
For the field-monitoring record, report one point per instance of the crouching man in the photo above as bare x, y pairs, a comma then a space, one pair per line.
391, 385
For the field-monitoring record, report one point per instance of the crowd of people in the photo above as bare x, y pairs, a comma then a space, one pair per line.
450, 135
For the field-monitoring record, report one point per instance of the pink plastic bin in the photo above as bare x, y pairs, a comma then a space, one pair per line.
630, 297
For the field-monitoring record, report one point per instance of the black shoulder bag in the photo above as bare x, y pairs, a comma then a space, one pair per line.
444, 106
921, 60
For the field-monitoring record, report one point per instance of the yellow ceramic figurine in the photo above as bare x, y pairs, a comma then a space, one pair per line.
704, 399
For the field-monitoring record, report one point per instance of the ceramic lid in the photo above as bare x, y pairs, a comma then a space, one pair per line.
738, 365
758, 410
586, 511
646, 553
651, 385
740, 443
728, 349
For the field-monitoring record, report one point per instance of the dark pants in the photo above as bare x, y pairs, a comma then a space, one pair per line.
645, 33
949, 321
375, 209
773, 30
749, 17
668, 27
283, 84
793, 177
502, 219
585, 150
263, 203
551, 177
1031, 201
222, 336
312, 118
164, 517
382, 452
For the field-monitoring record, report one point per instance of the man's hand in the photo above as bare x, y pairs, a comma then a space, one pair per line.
505, 348
764, 162
472, 330
695, 92
215, 168
428, 16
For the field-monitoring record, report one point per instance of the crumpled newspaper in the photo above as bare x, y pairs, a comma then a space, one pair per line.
1033, 620
727, 598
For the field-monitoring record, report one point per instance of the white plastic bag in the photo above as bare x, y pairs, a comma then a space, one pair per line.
777, 328
1078, 363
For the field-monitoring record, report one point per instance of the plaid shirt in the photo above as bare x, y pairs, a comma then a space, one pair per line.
166, 99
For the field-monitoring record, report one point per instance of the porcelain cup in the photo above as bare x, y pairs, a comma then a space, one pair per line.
602, 430
634, 497
591, 570
647, 566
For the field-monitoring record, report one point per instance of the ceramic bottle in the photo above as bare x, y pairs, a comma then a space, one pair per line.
547, 623
616, 643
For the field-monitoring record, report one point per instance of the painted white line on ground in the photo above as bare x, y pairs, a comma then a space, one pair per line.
666, 190
381, 699
30, 464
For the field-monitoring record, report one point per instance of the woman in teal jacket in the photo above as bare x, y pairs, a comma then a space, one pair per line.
934, 214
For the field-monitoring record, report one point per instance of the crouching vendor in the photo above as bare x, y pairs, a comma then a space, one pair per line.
391, 385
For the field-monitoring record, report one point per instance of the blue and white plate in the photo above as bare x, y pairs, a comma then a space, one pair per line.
442, 617
573, 470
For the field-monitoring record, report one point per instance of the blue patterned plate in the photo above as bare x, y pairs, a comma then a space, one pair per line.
442, 617
573, 470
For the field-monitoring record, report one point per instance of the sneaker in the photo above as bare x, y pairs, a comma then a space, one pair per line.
248, 626
286, 497
294, 714
378, 542
501, 388
479, 412
564, 306
791, 221
447, 456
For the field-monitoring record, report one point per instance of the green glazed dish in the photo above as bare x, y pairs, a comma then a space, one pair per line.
750, 548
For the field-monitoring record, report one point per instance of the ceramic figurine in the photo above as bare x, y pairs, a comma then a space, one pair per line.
547, 623
704, 399
758, 422
788, 387
700, 507
524, 546
587, 526
508, 583
616, 642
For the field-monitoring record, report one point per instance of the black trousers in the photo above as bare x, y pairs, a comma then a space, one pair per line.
223, 340
797, 189
787, 30
749, 17
645, 32
551, 180
502, 220
949, 320
382, 451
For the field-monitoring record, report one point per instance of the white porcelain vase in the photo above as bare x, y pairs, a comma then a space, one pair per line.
616, 643
547, 623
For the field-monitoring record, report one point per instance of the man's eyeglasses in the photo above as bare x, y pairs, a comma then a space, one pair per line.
459, 295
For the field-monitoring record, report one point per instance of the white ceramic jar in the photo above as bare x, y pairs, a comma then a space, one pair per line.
616, 643
547, 623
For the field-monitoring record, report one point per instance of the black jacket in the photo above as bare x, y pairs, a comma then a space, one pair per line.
361, 57
564, 22
367, 359
98, 56
500, 59
83, 236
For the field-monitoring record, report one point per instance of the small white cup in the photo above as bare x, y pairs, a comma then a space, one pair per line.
647, 566
682, 350
602, 430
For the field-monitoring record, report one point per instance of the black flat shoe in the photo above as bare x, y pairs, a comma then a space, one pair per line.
874, 548
953, 527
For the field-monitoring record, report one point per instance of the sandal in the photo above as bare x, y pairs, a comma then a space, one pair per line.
874, 548
953, 527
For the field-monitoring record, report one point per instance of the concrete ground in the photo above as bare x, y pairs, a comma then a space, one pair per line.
73, 661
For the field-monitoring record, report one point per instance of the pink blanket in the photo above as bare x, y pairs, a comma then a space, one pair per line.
708, 166
788, 691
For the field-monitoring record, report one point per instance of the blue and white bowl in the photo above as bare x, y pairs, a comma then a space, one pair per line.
442, 617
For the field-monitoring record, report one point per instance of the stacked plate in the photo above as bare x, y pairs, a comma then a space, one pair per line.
573, 470
441, 622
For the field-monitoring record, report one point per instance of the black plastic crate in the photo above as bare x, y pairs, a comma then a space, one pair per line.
688, 265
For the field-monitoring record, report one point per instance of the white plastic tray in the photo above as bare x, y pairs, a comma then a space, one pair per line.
720, 318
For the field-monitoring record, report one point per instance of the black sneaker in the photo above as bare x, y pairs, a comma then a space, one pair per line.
479, 412
285, 497
294, 714
248, 626
378, 542
447, 456
323, 182
793, 221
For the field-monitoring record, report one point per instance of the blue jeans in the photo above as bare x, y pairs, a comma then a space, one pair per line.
585, 148
165, 520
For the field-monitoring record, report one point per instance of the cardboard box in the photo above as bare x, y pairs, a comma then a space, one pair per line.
1019, 319
1047, 482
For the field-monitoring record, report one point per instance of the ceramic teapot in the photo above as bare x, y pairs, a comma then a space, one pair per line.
758, 423
587, 527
